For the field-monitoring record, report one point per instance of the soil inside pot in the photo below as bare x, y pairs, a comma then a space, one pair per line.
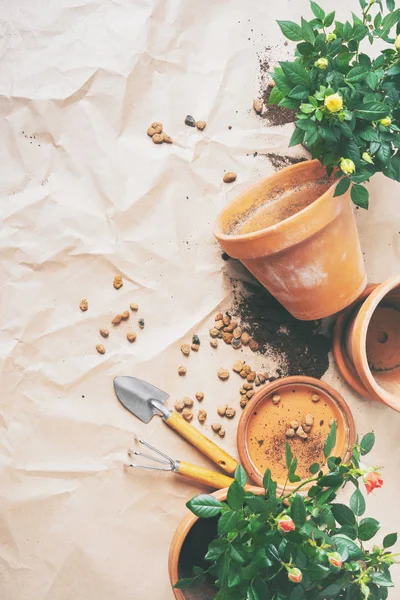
283, 204
192, 554
266, 430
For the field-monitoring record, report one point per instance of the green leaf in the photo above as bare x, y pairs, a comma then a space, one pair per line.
347, 30
372, 80
307, 108
291, 30
241, 475
329, 19
306, 124
390, 20
384, 153
330, 441
267, 479
216, 549
331, 480
360, 196
227, 522
238, 554
346, 130
391, 5
372, 111
317, 571
257, 504
367, 443
314, 468
308, 32
298, 511
275, 96
357, 503
370, 135
297, 137
300, 92
205, 506
348, 547
281, 81
289, 455
295, 73
389, 540
342, 186
252, 594
289, 103
184, 583
272, 552
353, 152
395, 70
368, 528
298, 593
235, 497
330, 592
393, 170
357, 74
382, 579
319, 115
305, 49
317, 10
311, 137
343, 514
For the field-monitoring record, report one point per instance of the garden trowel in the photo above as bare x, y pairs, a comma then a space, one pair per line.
144, 401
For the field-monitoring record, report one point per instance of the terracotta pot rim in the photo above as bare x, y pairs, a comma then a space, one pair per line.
342, 359
253, 235
244, 455
180, 534
359, 337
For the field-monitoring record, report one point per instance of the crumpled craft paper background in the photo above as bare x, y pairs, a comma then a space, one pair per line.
85, 194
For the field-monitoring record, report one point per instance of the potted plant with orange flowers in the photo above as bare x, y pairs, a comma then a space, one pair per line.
286, 228
294, 547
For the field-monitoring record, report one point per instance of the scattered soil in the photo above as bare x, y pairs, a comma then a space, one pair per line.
307, 452
298, 347
279, 162
275, 114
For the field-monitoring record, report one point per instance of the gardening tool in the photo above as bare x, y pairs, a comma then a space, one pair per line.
211, 478
144, 400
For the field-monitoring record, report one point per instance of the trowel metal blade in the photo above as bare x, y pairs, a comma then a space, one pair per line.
137, 396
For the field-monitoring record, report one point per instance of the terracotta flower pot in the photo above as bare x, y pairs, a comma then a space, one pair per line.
188, 547
298, 240
263, 424
367, 343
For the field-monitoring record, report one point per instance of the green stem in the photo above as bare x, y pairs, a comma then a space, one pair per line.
303, 483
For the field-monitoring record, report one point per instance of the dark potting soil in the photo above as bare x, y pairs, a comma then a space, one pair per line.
298, 347
279, 162
273, 113
192, 555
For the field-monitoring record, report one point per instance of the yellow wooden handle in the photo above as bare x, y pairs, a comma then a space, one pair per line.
202, 443
211, 478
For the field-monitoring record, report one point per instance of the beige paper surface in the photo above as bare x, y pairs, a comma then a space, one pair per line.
85, 194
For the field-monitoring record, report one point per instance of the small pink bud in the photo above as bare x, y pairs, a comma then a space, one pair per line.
295, 575
286, 523
335, 559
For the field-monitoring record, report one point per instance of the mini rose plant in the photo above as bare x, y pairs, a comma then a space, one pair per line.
347, 103
292, 547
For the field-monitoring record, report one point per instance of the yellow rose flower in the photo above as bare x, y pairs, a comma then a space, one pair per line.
386, 121
321, 63
334, 103
397, 42
347, 166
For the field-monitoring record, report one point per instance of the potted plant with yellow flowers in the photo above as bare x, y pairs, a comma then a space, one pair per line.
286, 228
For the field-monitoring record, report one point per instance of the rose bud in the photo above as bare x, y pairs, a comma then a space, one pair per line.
373, 480
295, 575
285, 523
335, 559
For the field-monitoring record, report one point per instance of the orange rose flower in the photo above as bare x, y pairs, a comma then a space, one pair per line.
372, 481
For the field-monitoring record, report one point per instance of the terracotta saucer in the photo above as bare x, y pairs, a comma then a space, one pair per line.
261, 414
342, 359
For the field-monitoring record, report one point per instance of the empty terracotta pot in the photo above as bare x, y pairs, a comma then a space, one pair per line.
297, 239
188, 548
367, 343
